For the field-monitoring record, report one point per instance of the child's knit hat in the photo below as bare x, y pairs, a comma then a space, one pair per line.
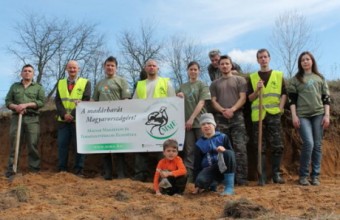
207, 118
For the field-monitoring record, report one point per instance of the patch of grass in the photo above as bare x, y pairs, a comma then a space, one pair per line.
21, 192
243, 208
334, 88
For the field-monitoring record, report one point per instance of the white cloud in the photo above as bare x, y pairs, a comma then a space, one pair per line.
243, 57
215, 22
227, 32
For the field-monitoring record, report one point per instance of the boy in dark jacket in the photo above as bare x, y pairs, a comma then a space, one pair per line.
207, 168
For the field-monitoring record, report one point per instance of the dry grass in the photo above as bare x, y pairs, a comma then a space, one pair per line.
22, 193
334, 87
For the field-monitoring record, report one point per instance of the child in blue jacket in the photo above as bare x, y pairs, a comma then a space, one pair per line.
207, 168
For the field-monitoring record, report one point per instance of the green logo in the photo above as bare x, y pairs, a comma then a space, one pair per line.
159, 124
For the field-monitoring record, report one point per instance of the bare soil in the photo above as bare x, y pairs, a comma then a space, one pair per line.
50, 195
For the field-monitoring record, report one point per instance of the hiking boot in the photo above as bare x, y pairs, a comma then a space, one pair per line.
315, 181
276, 160
140, 177
304, 181
108, 177
8, 174
79, 173
242, 182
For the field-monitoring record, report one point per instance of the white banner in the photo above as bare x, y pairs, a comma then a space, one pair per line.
134, 125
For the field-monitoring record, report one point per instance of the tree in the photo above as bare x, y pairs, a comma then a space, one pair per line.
334, 71
181, 51
137, 48
291, 35
49, 44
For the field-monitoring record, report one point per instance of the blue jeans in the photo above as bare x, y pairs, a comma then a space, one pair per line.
67, 136
311, 133
212, 173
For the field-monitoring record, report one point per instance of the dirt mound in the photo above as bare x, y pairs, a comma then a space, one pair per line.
243, 209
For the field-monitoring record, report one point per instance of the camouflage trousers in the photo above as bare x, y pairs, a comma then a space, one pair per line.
236, 130
272, 133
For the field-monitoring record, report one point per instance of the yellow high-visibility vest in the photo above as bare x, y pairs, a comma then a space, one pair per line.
271, 95
161, 89
68, 99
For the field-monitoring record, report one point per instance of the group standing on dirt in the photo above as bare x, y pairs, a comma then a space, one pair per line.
215, 146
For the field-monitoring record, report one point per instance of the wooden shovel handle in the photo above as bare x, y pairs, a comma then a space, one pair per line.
259, 147
17, 144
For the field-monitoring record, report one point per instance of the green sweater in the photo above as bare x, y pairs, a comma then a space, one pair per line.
18, 94
193, 93
110, 89
309, 101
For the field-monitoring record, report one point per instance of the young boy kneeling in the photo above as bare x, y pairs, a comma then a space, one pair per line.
206, 165
170, 170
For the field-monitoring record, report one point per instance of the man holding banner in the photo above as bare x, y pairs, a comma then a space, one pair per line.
70, 91
112, 88
151, 88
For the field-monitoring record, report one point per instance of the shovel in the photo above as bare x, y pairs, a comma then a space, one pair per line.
259, 147
17, 145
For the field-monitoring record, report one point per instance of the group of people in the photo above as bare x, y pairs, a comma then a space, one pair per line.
215, 146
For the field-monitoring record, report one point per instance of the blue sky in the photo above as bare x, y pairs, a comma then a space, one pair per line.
237, 28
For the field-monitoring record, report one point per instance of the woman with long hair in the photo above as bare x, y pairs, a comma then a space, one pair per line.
194, 92
310, 106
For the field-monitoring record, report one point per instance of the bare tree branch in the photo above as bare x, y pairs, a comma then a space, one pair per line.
137, 48
180, 52
50, 43
290, 36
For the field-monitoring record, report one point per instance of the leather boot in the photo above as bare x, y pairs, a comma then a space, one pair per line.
228, 184
107, 165
120, 166
276, 162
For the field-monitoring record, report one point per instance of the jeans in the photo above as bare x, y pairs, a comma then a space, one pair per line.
311, 133
67, 136
212, 173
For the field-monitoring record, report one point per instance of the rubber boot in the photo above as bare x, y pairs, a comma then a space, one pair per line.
276, 162
263, 177
228, 184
